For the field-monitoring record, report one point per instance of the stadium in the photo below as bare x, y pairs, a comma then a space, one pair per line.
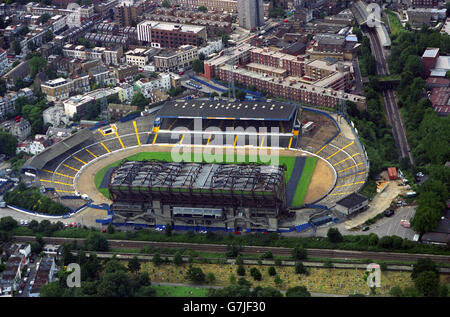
206, 164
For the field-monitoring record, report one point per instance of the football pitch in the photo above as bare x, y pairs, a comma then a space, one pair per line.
301, 182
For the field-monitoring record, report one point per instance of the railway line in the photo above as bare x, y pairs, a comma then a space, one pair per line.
390, 102
218, 248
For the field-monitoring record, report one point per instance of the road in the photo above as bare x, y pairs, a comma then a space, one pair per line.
390, 102
313, 253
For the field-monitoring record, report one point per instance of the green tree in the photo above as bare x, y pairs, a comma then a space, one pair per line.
178, 259
256, 274
396, 291
272, 271
240, 270
8, 223
166, 4
427, 283
203, 9
299, 253
139, 100
198, 66
334, 235
157, 259
96, 242
44, 18
210, 278
300, 268
134, 265
8, 143
195, 274
298, 291
17, 47
168, 230
423, 265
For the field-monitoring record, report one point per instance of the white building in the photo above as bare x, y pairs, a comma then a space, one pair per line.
3, 60
212, 47
55, 116
138, 56
126, 93
146, 85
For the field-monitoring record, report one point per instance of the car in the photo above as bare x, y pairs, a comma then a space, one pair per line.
365, 228
25, 279
388, 213
31, 283
20, 291
31, 260
22, 286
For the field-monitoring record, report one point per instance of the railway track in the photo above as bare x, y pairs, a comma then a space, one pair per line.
218, 248
390, 102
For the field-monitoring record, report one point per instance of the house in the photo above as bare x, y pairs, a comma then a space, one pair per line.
44, 275
352, 203
440, 235
21, 130
11, 276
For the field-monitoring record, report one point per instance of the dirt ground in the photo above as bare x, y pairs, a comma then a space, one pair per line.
321, 182
380, 203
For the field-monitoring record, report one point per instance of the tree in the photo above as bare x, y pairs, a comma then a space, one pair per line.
178, 259
423, 265
48, 36
240, 270
210, 278
272, 271
44, 18
8, 143
278, 281
266, 292
134, 265
334, 235
396, 291
267, 255
385, 242
198, 66
8, 223
203, 9
201, 56
37, 64
239, 260
427, 283
96, 242
139, 101
157, 259
166, 4
298, 291
195, 274
300, 268
299, 253
256, 274
373, 239
168, 230
17, 47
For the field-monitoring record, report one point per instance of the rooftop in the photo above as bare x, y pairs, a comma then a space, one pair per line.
165, 26
431, 52
241, 110
352, 200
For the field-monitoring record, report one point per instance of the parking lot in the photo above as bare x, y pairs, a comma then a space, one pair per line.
386, 226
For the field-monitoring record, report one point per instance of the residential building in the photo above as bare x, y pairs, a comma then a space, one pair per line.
12, 274
161, 34
21, 71
117, 111
44, 275
173, 60
21, 130
440, 99
55, 116
250, 14
3, 60
146, 85
126, 72
211, 48
126, 93
138, 56
78, 104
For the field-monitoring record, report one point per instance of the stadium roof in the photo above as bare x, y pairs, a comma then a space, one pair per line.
155, 175
222, 109
57, 149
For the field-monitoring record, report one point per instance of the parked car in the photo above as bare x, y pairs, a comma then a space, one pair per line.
388, 213
365, 228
